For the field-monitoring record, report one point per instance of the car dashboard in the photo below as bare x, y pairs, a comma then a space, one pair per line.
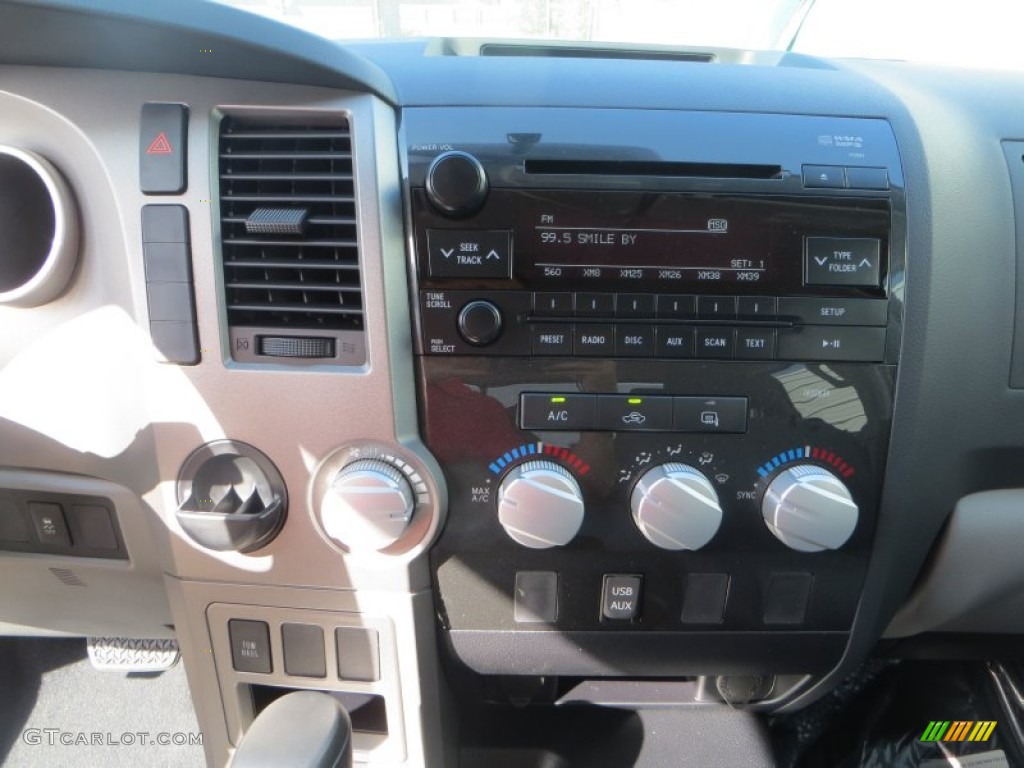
446, 374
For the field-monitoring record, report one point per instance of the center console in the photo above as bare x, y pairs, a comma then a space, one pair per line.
656, 362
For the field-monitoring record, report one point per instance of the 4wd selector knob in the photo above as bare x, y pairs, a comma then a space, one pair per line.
368, 506
540, 505
809, 509
676, 507
456, 184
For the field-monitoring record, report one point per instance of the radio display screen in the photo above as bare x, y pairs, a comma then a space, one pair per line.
666, 239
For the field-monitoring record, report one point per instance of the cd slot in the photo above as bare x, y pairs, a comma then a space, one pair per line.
539, 166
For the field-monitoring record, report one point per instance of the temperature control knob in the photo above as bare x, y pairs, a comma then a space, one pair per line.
676, 507
368, 506
809, 509
456, 184
540, 505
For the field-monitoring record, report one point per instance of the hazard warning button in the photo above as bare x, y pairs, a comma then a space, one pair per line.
162, 149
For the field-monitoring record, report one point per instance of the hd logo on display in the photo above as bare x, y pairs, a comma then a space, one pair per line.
959, 730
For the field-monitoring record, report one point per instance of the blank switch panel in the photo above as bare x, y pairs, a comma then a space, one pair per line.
358, 653
166, 252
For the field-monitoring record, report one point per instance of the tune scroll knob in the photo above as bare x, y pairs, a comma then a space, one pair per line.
456, 184
809, 509
480, 323
676, 507
540, 505
368, 506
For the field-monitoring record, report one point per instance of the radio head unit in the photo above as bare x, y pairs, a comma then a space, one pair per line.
656, 362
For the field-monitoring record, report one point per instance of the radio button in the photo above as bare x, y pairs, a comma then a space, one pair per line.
755, 344
635, 305
718, 343
552, 304
821, 342
552, 339
677, 307
594, 340
674, 341
714, 414
557, 412
834, 311
595, 304
824, 176
634, 340
634, 413
716, 307
756, 307
469, 253
845, 261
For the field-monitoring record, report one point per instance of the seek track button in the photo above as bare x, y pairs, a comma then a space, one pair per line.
483, 253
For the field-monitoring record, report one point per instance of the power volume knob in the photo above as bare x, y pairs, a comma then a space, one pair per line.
540, 505
676, 507
456, 184
809, 509
368, 506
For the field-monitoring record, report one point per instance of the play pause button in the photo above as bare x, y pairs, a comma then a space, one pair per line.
818, 342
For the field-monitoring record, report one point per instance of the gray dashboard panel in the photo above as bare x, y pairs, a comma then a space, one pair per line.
974, 580
188, 37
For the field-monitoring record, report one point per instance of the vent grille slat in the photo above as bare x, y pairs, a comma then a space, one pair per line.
290, 177
289, 243
233, 131
308, 278
270, 286
285, 156
229, 198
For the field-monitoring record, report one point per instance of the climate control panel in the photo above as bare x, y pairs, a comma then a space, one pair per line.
730, 510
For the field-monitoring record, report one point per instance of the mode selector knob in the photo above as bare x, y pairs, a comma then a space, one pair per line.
809, 509
676, 507
368, 506
540, 505
480, 323
456, 184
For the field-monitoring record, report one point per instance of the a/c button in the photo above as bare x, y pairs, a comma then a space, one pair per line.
557, 411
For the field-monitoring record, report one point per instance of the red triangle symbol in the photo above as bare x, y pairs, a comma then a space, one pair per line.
160, 145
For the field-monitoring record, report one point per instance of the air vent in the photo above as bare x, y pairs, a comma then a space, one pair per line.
288, 235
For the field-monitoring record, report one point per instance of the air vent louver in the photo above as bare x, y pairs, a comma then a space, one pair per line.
288, 226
